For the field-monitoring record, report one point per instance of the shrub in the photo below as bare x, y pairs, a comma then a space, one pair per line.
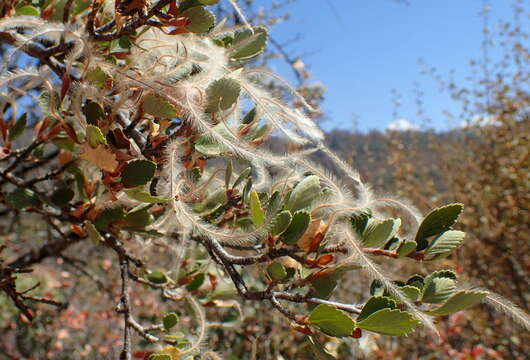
145, 125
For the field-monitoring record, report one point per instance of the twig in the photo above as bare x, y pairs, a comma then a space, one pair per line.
96, 34
124, 308
381, 252
66, 10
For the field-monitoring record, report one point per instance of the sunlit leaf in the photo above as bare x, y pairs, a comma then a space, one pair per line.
332, 321
459, 301
390, 322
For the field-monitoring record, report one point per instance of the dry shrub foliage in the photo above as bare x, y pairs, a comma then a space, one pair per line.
134, 155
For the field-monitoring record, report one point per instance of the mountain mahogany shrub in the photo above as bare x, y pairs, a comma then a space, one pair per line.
151, 126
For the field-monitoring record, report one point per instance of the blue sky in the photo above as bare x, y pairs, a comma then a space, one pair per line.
362, 49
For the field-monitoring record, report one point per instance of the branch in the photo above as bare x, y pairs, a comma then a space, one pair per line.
228, 261
96, 34
124, 307
381, 252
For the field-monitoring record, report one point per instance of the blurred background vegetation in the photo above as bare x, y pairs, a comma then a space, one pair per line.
485, 164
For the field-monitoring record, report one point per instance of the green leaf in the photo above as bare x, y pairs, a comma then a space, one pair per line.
257, 214
80, 6
438, 290
416, 281
144, 196
437, 221
175, 336
224, 291
201, 19
297, 228
444, 273
94, 136
360, 220
159, 357
97, 77
195, 174
374, 304
93, 112
157, 277
27, 10
209, 2
121, 45
257, 131
213, 200
281, 222
228, 174
322, 287
377, 288
246, 190
275, 203
318, 351
459, 301
412, 292
80, 181
332, 321
138, 219
406, 247
249, 117
208, 146
276, 271
158, 107
170, 320
196, 283
445, 242
187, 4
107, 217
390, 322
22, 198
138, 172
65, 144
222, 94
19, 127
304, 193
93, 233
247, 45
62, 196
378, 232
244, 174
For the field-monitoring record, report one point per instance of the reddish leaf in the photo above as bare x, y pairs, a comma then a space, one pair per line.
76, 229
173, 8
54, 131
357, 333
119, 139
213, 282
325, 259
80, 210
65, 157
41, 126
101, 156
3, 128
69, 129
65, 86
178, 22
